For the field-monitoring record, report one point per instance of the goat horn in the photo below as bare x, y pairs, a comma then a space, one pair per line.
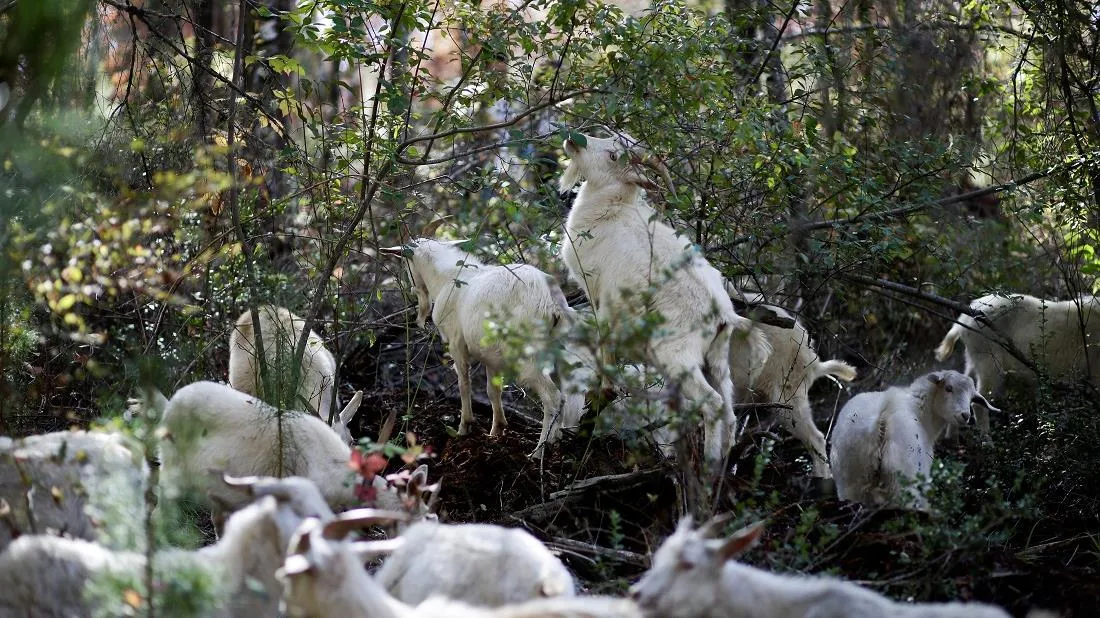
353, 406
656, 165
977, 398
716, 523
434, 500
358, 519
429, 229
258, 486
387, 428
237, 481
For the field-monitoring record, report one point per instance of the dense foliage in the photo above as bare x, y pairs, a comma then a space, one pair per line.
166, 163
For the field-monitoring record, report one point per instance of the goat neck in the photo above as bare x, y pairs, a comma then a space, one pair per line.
438, 264
603, 199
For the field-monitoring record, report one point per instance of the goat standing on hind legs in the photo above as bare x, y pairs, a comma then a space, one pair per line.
619, 251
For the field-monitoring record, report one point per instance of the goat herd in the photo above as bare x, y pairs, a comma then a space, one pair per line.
280, 475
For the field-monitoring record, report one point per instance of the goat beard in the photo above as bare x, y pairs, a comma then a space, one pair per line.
570, 178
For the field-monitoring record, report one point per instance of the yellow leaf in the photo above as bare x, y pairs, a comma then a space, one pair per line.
67, 301
132, 598
72, 274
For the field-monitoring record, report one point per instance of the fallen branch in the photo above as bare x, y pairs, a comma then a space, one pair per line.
581, 485
619, 555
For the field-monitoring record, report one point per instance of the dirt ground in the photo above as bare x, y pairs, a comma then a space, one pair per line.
606, 530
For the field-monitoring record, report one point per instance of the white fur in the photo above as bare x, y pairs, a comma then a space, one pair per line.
479, 564
694, 576
45, 576
462, 293
617, 248
72, 482
327, 580
1045, 331
882, 444
212, 427
785, 376
280, 329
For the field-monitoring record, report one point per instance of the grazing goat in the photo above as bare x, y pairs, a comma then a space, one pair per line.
45, 576
324, 578
786, 376
316, 387
479, 564
461, 293
883, 441
695, 576
70, 482
1062, 336
212, 426
631, 264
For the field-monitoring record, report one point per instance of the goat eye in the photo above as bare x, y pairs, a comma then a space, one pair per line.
949, 388
685, 565
614, 155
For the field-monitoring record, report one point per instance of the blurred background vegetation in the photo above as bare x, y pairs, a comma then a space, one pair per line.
164, 163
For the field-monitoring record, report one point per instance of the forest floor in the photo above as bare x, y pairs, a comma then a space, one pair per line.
606, 505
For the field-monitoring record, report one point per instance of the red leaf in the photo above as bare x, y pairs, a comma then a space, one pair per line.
368, 466
366, 493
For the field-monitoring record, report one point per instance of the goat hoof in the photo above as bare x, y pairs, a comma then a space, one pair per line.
496, 432
823, 487
463, 430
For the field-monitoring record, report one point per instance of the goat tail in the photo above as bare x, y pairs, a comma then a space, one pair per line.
836, 368
947, 346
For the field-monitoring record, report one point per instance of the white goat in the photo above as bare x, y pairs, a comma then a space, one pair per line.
45, 576
324, 578
883, 441
480, 564
695, 576
1045, 331
70, 482
630, 264
280, 329
212, 426
786, 376
462, 293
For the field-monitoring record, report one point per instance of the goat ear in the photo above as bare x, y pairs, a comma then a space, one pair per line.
743, 540
430, 228
417, 480
685, 524
979, 399
349, 410
398, 251
295, 565
935, 378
